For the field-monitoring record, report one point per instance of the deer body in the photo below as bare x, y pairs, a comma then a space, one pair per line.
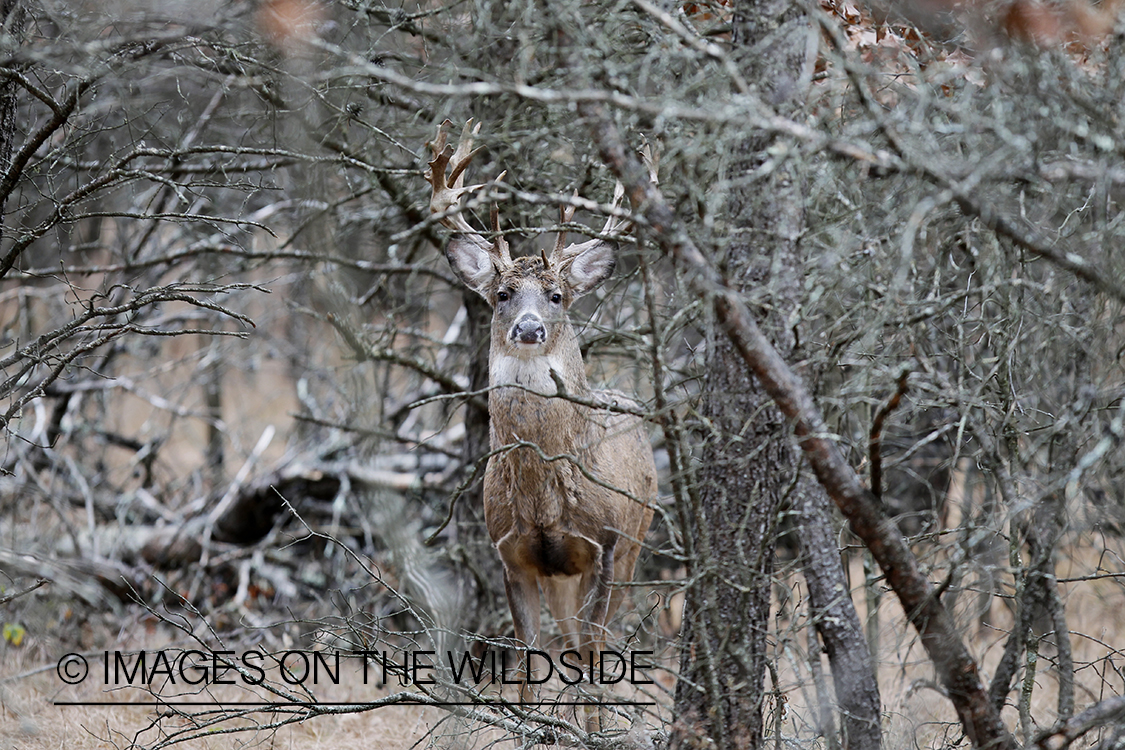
569, 487
549, 520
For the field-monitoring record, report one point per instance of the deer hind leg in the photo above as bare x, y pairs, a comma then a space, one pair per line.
563, 600
598, 585
522, 587
624, 562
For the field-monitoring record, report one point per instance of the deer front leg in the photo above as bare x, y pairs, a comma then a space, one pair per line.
522, 589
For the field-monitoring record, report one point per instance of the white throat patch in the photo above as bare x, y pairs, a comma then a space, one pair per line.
532, 372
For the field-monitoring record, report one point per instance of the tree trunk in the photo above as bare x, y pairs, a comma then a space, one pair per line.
749, 464
12, 22
853, 674
748, 467
486, 584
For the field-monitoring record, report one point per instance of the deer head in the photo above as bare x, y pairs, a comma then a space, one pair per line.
529, 295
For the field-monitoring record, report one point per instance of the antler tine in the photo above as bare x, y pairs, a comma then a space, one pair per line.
464, 153
651, 159
438, 144
566, 213
615, 224
500, 243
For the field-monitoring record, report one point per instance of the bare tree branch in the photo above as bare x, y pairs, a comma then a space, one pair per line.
956, 668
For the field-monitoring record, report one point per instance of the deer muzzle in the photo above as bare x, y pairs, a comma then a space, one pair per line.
529, 329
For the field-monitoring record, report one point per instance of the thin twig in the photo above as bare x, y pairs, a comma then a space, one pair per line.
875, 441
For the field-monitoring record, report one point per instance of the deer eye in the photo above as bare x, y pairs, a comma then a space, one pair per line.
556, 298
502, 296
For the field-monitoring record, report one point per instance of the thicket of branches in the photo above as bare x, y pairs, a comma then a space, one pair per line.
236, 372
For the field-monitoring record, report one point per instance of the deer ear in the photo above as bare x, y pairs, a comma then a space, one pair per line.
586, 266
472, 264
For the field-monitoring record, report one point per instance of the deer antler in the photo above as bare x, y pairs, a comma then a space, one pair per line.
500, 243
566, 213
651, 159
614, 224
447, 191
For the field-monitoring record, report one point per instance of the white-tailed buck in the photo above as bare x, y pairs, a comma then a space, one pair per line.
569, 487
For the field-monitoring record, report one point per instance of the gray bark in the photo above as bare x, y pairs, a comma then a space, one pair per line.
11, 24
837, 624
749, 463
485, 584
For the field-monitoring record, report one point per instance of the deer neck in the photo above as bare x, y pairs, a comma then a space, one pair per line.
519, 411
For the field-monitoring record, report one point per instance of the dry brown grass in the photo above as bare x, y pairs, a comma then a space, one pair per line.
916, 714
30, 719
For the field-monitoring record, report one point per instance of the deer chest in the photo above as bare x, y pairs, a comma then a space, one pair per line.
525, 493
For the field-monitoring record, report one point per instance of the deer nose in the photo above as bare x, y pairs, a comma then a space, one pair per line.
529, 330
